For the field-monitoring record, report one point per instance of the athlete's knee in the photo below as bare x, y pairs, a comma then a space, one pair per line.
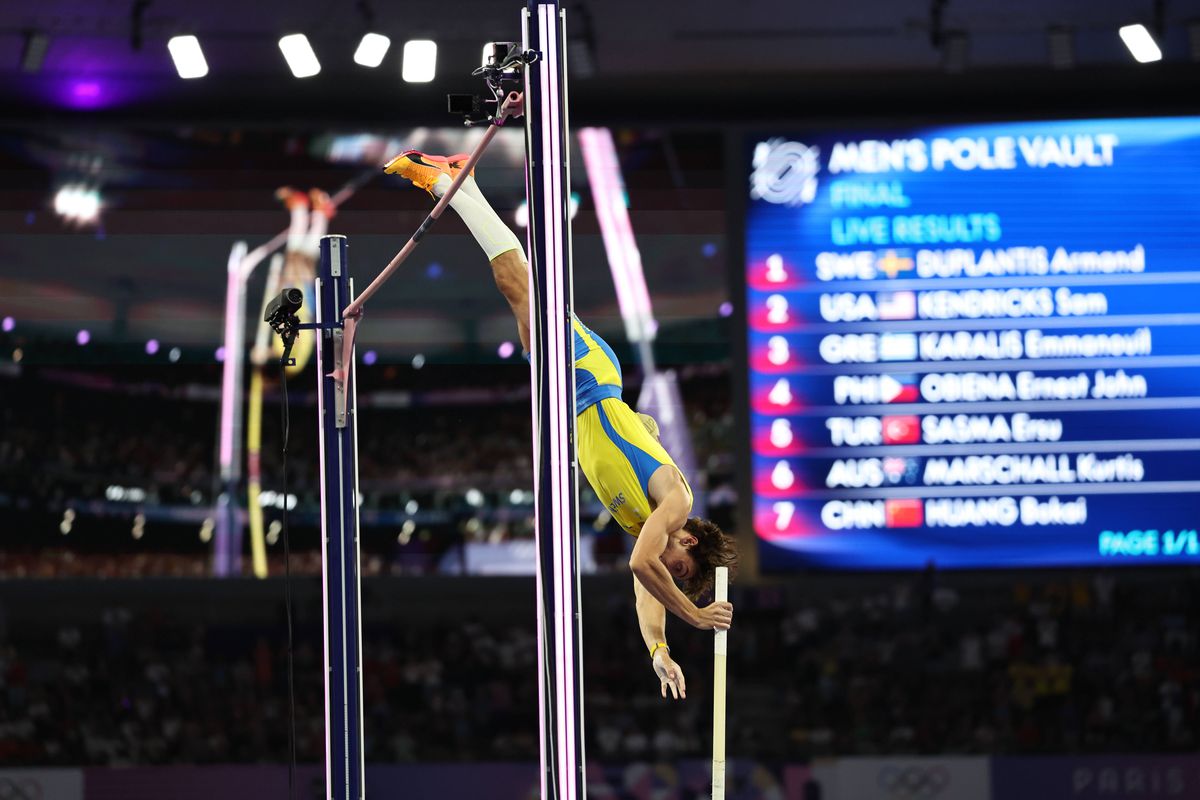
512, 277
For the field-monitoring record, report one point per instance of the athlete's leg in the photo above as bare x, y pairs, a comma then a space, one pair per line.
299, 269
323, 210
511, 274
503, 249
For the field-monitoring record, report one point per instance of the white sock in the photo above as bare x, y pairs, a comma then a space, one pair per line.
485, 225
318, 226
298, 229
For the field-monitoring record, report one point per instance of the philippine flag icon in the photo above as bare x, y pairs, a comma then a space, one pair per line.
904, 513
899, 388
896, 305
902, 429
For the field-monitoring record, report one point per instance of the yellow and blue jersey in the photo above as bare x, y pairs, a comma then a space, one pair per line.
615, 450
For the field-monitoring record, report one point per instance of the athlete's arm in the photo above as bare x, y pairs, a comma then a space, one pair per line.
652, 620
649, 570
652, 616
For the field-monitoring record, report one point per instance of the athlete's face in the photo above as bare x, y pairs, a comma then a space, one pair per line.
677, 557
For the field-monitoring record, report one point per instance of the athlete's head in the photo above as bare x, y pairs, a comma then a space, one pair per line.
694, 552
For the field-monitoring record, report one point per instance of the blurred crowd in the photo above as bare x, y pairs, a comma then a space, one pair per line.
1084, 663
1081, 664
458, 462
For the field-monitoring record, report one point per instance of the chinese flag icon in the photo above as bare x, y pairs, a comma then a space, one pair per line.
906, 513
904, 429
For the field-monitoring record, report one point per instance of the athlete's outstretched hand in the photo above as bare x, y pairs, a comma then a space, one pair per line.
718, 616
669, 674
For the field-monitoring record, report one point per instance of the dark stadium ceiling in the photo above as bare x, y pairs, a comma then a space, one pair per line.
633, 59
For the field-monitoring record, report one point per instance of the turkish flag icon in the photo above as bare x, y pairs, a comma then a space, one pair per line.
904, 429
906, 513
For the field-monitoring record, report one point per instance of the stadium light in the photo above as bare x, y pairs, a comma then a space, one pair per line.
1140, 43
372, 49
188, 57
77, 203
420, 61
8, 324
301, 59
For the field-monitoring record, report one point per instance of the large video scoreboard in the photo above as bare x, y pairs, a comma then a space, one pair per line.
977, 346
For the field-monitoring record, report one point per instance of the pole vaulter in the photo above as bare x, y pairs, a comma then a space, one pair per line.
227, 539
576, 400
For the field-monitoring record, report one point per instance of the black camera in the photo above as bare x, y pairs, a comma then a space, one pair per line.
281, 312
503, 64
281, 316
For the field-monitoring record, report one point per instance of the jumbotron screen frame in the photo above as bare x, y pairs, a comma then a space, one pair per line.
988, 337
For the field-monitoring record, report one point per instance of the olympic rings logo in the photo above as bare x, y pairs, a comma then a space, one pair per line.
913, 783
20, 789
785, 172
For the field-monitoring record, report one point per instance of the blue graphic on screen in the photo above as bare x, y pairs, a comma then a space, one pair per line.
977, 345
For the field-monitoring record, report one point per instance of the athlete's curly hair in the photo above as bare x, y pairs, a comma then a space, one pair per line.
713, 548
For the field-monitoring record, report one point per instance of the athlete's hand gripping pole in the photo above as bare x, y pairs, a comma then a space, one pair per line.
719, 650
512, 107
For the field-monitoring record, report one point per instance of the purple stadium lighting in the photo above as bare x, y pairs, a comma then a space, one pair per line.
726, 309
83, 94
152, 347
83, 337
220, 354
8, 324
370, 357
505, 350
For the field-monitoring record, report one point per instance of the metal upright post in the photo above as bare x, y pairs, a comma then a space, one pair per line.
344, 769
560, 673
227, 543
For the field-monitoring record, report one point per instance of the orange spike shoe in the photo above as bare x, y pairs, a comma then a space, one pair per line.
422, 169
322, 203
291, 198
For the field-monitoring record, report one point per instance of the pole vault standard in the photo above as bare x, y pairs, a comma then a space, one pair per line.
340, 580
560, 642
